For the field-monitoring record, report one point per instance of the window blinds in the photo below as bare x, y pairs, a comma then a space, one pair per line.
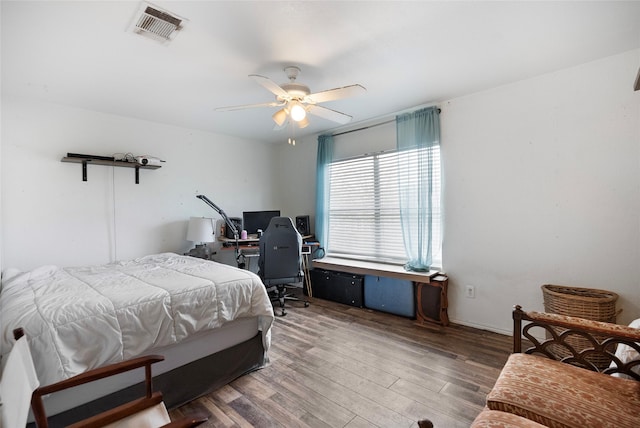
364, 209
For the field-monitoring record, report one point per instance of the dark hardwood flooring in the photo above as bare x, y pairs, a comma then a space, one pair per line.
333, 365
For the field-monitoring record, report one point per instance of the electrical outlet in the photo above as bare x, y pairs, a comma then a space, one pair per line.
470, 292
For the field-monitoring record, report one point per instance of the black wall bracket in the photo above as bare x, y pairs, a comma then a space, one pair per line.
85, 160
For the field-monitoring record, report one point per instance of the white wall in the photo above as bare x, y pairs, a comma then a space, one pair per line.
296, 177
542, 185
50, 216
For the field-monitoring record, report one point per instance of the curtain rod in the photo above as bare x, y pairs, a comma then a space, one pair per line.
363, 128
368, 127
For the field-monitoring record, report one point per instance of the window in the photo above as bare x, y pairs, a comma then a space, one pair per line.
364, 208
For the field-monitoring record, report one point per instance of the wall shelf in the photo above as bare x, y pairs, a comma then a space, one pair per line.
86, 161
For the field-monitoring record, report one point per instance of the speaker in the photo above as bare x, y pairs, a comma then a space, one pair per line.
237, 222
302, 224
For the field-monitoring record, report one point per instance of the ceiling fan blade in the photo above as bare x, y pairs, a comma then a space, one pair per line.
271, 86
336, 94
232, 108
329, 114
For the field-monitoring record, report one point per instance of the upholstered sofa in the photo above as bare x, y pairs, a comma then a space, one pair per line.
559, 380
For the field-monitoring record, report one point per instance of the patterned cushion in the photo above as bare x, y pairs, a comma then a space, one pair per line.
560, 395
495, 419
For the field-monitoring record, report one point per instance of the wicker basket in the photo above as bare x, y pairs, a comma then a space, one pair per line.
588, 303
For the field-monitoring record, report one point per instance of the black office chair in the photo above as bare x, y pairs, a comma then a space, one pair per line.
280, 262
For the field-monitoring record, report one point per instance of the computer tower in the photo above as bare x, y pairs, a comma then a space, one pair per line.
339, 287
302, 224
237, 222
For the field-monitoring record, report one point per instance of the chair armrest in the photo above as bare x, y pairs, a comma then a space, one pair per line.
188, 421
602, 339
102, 372
112, 415
89, 376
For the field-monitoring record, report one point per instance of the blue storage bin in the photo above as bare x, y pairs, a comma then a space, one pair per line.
391, 295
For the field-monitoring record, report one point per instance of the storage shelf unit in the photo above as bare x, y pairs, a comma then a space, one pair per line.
431, 302
85, 161
341, 287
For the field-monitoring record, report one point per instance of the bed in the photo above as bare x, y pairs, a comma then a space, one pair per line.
211, 322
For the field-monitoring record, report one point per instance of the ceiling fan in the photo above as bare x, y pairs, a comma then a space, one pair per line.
297, 100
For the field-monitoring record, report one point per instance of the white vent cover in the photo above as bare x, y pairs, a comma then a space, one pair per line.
157, 23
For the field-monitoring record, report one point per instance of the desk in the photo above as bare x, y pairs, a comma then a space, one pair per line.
250, 248
251, 241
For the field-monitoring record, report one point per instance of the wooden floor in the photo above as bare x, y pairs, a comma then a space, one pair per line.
337, 366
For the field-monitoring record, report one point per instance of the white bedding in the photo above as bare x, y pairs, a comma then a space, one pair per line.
80, 318
626, 354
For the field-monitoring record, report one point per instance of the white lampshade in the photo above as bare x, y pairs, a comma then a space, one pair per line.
279, 117
303, 123
200, 230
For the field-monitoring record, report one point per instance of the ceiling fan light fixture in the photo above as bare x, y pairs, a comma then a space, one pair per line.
303, 123
298, 112
279, 117
295, 101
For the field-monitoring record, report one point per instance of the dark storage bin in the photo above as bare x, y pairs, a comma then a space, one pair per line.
431, 300
392, 295
339, 287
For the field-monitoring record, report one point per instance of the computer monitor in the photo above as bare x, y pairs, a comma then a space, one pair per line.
254, 220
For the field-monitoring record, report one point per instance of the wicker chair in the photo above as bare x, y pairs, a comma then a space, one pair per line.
538, 388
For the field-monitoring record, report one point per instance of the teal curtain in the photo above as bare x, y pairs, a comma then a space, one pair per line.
416, 131
324, 158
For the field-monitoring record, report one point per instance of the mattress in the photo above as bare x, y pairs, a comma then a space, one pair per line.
79, 318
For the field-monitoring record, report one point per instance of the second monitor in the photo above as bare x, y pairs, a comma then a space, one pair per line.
254, 220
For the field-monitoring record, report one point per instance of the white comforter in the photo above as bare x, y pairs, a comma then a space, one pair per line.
80, 318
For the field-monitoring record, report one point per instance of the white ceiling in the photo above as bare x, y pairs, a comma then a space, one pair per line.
406, 54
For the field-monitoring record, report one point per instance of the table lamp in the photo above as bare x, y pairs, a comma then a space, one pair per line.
230, 225
201, 231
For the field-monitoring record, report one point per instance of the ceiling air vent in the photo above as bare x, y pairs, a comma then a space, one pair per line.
157, 23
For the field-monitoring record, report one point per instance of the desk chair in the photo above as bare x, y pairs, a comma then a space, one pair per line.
19, 386
280, 262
